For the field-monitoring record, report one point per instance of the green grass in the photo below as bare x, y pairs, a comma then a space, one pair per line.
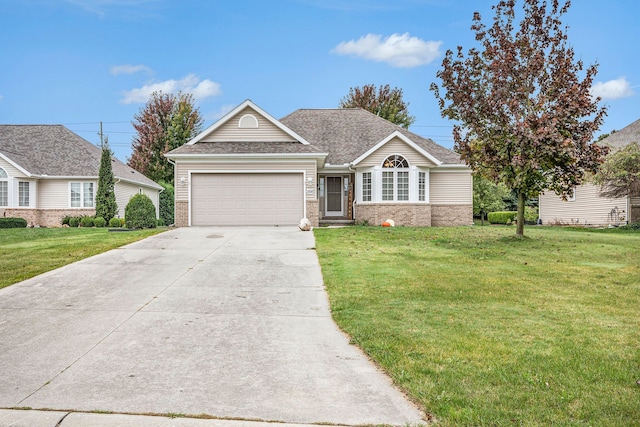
483, 329
27, 252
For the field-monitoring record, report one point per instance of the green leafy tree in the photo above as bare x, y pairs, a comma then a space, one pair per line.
487, 196
383, 102
106, 206
166, 122
167, 203
619, 175
521, 104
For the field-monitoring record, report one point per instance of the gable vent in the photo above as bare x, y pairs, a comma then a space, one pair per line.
248, 121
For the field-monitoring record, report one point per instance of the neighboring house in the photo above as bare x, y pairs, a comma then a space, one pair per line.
587, 207
333, 165
48, 172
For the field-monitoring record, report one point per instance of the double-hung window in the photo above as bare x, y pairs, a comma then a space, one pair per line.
366, 186
4, 188
81, 194
23, 193
395, 179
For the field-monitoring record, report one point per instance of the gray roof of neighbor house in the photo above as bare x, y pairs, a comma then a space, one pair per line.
623, 137
55, 151
348, 133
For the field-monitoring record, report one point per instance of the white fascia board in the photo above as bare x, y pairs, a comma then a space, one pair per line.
397, 134
17, 166
95, 178
335, 168
454, 168
232, 113
140, 184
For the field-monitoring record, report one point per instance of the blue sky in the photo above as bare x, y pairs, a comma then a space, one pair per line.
80, 62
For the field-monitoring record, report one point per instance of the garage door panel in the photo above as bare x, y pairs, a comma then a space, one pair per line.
247, 199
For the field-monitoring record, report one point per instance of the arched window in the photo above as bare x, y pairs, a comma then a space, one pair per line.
4, 188
395, 179
248, 121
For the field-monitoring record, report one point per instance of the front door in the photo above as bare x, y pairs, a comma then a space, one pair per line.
334, 197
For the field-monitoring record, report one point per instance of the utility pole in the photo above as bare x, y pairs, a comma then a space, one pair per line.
101, 140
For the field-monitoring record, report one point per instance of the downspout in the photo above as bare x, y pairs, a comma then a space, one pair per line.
174, 191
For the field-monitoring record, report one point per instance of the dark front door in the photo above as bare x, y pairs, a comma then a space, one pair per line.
334, 196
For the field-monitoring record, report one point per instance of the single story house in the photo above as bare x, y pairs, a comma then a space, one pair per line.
327, 165
587, 207
48, 172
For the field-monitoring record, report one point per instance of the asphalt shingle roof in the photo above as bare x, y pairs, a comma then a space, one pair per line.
53, 150
623, 137
249, 147
347, 133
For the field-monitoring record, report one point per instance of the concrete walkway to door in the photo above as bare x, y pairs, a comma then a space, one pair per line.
229, 322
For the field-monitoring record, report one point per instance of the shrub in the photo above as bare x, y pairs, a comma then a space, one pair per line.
530, 214
160, 222
74, 221
631, 226
65, 220
99, 221
166, 203
13, 222
86, 221
115, 223
140, 212
506, 217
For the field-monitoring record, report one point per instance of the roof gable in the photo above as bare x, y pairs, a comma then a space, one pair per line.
248, 123
404, 139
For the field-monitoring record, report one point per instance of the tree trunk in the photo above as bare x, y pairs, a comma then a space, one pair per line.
520, 217
482, 218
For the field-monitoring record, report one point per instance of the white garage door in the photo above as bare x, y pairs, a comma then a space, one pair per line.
246, 199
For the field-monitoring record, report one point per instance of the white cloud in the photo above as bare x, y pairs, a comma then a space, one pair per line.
129, 69
397, 50
612, 89
200, 89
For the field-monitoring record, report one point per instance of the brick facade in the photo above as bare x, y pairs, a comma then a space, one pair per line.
409, 214
415, 214
448, 215
45, 217
181, 218
313, 213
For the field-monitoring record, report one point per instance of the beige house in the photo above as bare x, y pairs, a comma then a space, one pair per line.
48, 172
587, 207
330, 166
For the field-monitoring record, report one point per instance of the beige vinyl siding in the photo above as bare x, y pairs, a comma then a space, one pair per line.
396, 146
587, 208
126, 190
11, 170
183, 169
54, 194
450, 187
266, 131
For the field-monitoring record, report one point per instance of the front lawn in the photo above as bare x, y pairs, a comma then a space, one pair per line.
27, 252
482, 329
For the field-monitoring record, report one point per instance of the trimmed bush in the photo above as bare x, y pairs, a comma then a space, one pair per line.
140, 212
86, 221
115, 223
65, 220
530, 214
74, 221
506, 217
166, 203
13, 222
99, 221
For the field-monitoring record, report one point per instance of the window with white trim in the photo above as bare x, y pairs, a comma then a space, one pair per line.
422, 186
4, 188
81, 194
366, 186
395, 179
23, 193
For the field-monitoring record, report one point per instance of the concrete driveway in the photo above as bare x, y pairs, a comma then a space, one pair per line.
230, 322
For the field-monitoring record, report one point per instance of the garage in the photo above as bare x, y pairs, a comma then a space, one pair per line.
247, 198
